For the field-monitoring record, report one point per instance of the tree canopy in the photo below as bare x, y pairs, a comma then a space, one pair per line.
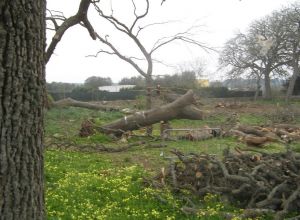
270, 47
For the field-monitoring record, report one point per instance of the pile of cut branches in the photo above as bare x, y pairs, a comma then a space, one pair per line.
253, 181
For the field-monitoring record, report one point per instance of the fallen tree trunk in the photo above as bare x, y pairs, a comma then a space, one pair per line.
181, 108
75, 103
190, 111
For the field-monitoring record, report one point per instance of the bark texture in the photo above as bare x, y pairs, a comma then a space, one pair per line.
22, 84
268, 91
176, 109
296, 74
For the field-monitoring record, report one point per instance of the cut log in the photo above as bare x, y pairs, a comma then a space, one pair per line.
75, 103
256, 135
254, 140
181, 108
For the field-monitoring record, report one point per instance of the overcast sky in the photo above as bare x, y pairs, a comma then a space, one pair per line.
219, 20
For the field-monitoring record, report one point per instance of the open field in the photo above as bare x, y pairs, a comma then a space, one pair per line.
88, 185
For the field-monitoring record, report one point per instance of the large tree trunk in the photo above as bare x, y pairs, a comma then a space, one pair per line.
180, 108
75, 103
296, 74
258, 87
149, 85
268, 92
22, 87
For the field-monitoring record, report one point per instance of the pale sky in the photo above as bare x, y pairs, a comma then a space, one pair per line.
219, 20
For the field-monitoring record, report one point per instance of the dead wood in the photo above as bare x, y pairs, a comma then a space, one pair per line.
75, 103
87, 128
259, 135
260, 184
174, 110
191, 111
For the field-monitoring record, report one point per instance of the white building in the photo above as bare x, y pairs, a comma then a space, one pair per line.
115, 88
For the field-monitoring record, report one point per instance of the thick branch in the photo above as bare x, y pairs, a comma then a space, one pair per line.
81, 16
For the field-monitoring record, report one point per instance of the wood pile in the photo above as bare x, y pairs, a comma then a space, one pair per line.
260, 135
251, 181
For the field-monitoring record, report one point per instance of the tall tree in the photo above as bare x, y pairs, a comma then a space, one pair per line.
22, 92
261, 49
22, 85
291, 16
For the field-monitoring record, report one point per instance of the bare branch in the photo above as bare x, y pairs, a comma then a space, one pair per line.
152, 24
185, 36
102, 51
154, 60
54, 17
138, 17
115, 22
81, 16
115, 51
161, 43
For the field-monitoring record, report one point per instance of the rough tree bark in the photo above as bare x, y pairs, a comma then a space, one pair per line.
176, 109
258, 87
268, 91
296, 74
22, 87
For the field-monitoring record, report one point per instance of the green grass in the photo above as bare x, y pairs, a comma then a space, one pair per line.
67, 121
90, 186
110, 185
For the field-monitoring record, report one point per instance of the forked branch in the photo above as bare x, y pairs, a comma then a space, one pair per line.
79, 18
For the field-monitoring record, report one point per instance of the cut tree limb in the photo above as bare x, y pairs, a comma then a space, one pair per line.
180, 108
75, 103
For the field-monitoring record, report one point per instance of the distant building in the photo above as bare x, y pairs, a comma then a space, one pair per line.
203, 82
115, 88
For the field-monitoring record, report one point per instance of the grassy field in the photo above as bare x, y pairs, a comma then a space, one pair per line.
82, 185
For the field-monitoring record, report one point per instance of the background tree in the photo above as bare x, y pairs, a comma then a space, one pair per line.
296, 90
95, 82
60, 87
261, 51
197, 66
135, 80
22, 88
291, 16
184, 80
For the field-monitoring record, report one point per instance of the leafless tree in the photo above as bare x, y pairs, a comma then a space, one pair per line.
132, 31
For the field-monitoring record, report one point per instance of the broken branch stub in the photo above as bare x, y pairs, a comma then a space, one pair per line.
181, 108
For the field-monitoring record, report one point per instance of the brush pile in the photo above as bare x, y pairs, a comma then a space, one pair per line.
257, 180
